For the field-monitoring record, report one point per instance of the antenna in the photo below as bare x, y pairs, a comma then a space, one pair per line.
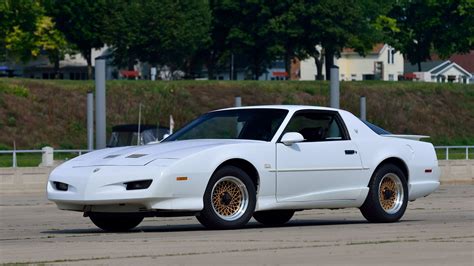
139, 123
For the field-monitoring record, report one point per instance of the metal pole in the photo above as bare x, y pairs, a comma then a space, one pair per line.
90, 121
238, 101
14, 155
100, 103
467, 153
363, 110
334, 87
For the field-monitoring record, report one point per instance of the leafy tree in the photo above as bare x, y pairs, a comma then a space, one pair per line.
19, 17
289, 28
252, 33
158, 32
81, 23
336, 24
423, 26
27, 32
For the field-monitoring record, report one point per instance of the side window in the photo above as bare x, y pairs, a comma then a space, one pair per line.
316, 126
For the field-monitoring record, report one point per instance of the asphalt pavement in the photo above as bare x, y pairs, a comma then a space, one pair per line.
436, 230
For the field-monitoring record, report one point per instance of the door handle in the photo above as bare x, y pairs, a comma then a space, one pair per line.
350, 152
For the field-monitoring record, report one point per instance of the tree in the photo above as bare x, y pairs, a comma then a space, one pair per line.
288, 26
158, 32
336, 24
423, 26
81, 21
251, 33
27, 32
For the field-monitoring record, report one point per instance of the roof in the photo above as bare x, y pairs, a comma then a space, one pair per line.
425, 66
281, 106
376, 49
466, 61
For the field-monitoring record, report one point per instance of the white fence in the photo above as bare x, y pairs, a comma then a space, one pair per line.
455, 152
45, 160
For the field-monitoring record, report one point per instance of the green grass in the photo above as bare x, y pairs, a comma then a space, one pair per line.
36, 113
454, 154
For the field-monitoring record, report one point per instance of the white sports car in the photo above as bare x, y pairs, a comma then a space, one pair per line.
263, 161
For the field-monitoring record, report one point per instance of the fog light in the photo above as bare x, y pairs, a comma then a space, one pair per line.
142, 184
61, 186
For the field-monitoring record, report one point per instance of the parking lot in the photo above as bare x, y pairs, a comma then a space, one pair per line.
436, 230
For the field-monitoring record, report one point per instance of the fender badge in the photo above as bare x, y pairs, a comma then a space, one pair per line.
96, 170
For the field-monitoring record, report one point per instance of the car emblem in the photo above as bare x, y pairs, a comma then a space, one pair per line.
96, 170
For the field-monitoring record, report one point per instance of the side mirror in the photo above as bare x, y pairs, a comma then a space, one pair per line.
291, 138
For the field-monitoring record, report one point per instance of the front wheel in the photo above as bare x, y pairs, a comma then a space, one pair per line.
115, 222
229, 199
388, 195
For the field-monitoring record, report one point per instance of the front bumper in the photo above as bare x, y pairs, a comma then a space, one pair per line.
103, 189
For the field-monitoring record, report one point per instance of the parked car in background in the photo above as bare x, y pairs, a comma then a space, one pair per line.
263, 161
127, 135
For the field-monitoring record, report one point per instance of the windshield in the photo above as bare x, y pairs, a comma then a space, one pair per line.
255, 124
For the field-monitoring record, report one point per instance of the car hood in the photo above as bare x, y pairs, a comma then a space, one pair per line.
142, 155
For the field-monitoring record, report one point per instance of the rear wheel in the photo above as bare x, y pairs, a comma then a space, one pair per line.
229, 199
388, 195
272, 218
115, 222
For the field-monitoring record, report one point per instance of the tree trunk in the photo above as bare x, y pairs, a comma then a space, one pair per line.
56, 67
256, 70
288, 63
319, 61
211, 64
88, 55
419, 66
329, 59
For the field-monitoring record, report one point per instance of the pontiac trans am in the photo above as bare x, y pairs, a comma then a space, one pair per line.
263, 161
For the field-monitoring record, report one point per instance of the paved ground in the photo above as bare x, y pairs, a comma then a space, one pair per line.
437, 230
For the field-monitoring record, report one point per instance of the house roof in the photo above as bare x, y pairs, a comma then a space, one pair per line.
425, 66
376, 49
466, 61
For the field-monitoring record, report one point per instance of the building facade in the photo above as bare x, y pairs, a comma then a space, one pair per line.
383, 62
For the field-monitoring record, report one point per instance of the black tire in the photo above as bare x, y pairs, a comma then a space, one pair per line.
389, 205
214, 216
115, 222
273, 218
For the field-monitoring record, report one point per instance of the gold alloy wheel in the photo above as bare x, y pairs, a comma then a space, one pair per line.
229, 198
391, 193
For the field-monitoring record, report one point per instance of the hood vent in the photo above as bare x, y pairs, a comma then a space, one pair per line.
111, 156
136, 155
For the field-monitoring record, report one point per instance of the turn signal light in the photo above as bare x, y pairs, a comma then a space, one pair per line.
181, 178
142, 184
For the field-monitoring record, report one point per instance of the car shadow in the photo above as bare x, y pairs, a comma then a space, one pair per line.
198, 227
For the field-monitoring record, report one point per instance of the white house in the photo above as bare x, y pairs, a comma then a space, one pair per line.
444, 71
382, 63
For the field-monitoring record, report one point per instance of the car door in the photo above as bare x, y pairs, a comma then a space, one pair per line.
326, 166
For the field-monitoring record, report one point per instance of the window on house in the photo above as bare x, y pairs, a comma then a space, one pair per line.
391, 77
392, 54
353, 77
